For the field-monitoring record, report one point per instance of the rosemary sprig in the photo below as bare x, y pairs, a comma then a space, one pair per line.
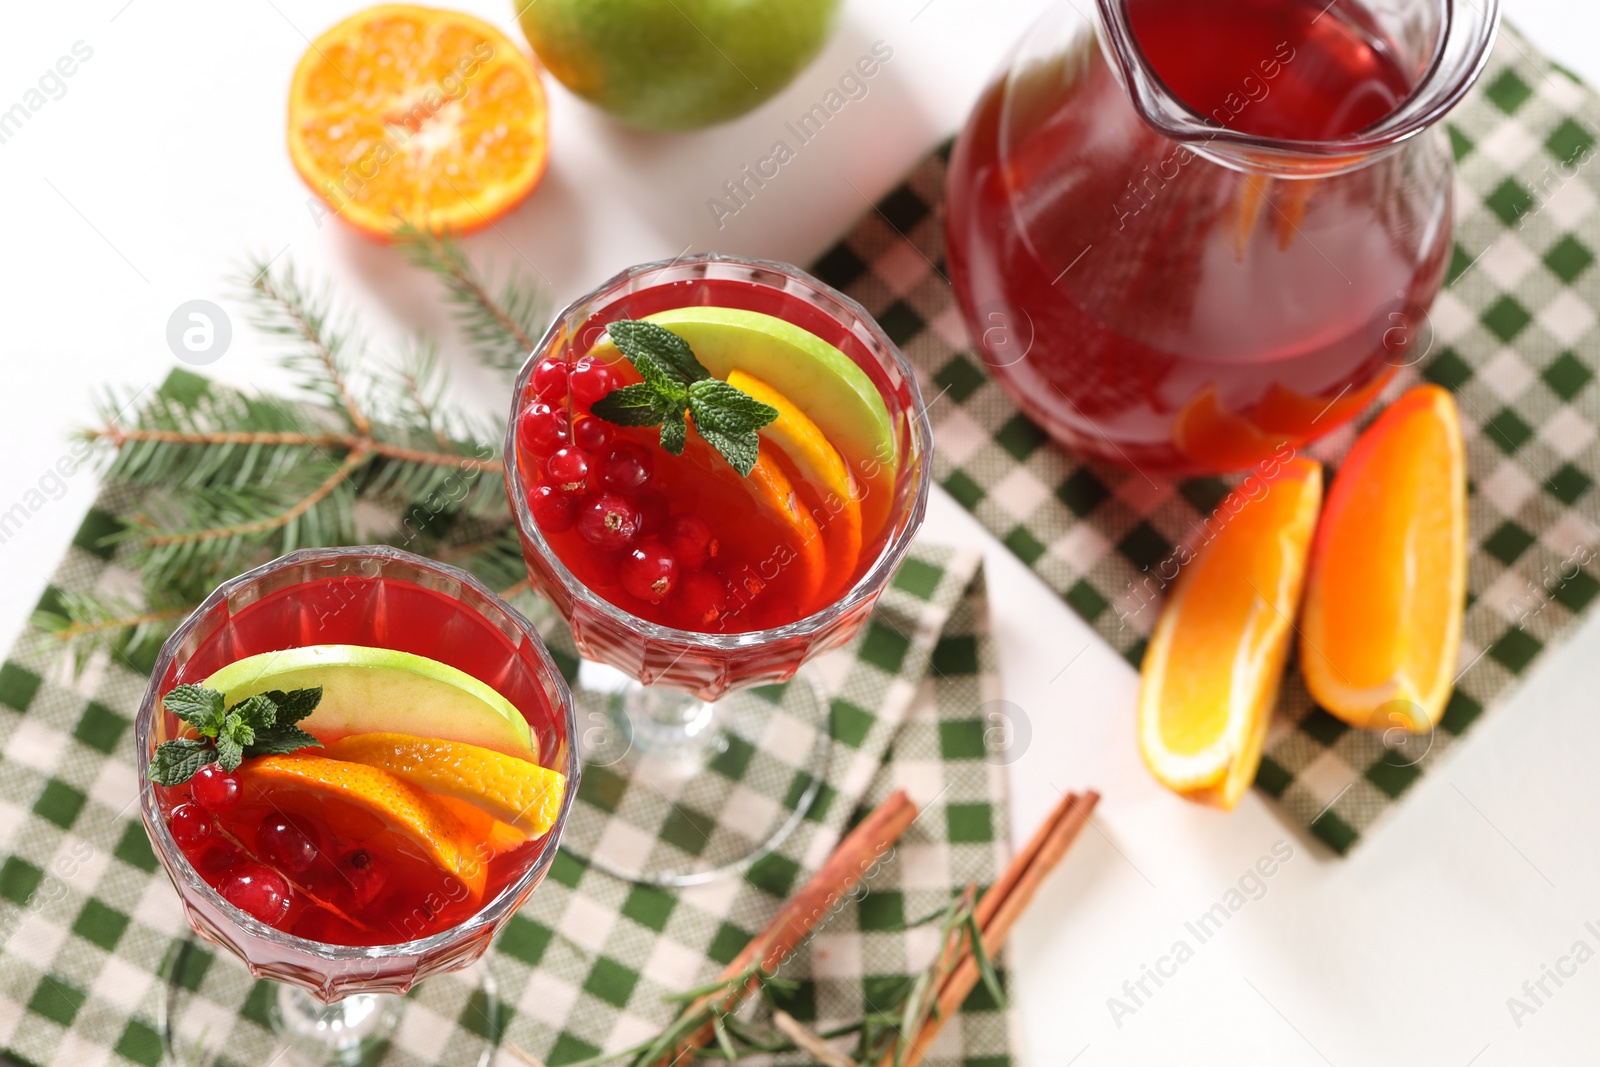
888, 1032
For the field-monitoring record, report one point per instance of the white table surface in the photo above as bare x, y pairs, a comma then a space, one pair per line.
163, 165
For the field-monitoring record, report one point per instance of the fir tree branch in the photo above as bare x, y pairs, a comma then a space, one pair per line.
120, 437
351, 463
289, 310
417, 379
79, 628
487, 465
226, 480
503, 331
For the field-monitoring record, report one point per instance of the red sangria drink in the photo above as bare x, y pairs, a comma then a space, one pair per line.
716, 465
1198, 235
356, 767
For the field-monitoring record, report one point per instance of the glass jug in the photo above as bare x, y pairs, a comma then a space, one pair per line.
1196, 234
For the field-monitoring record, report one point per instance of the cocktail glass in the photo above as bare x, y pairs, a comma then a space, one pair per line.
336, 1004
657, 704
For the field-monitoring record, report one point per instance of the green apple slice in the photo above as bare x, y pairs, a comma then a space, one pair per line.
822, 381
366, 690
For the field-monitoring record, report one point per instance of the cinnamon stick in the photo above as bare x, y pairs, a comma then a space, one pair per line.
860, 850
1000, 909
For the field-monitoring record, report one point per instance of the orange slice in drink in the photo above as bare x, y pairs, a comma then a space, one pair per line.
774, 492
365, 803
498, 835
514, 791
1382, 626
819, 464
1206, 432
405, 112
1210, 676
1283, 411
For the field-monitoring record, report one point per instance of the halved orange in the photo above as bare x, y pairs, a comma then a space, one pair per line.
406, 112
1388, 579
511, 790
1210, 675
364, 803
795, 435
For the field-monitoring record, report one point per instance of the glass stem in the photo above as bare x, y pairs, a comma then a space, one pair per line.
619, 715
340, 1034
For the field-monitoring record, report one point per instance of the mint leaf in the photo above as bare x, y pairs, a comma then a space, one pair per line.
255, 712
741, 450
174, 762
635, 338
674, 433
662, 379
276, 740
259, 725
296, 704
716, 405
632, 405
674, 380
196, 705
230, 751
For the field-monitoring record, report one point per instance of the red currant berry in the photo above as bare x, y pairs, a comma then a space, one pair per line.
608, 521
217, 859
190, 826
702, 597
542, 429
367, 879
591, 380
653, 513
285, 844
591, 435
626, 467
690, 538
214, 788
550, 379
568, 469
258, 890
552, 509
650, 571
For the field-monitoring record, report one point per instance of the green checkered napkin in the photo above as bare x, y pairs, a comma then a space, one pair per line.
90, 925
1515, 339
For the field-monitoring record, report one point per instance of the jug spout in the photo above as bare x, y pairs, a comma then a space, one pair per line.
1438, 46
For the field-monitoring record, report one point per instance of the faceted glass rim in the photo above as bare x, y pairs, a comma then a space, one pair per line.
493, 913
915, 462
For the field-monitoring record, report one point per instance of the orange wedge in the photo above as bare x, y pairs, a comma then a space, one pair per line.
1210, 676
405, 112
364, 803
1388, 580
819, 463
514, 791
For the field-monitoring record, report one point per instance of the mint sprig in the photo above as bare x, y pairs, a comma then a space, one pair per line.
261, 725
676, 383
